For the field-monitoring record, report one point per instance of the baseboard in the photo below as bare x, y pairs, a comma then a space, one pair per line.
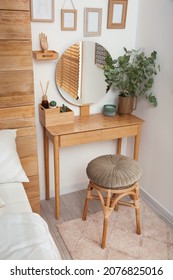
157, 207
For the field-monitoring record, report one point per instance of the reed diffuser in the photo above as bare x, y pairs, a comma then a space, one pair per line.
45, 102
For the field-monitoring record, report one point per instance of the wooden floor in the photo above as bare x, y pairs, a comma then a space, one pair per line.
71, 207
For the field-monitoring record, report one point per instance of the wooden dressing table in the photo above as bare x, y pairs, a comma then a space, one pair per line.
87, 129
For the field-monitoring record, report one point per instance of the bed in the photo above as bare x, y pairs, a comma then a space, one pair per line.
24, 234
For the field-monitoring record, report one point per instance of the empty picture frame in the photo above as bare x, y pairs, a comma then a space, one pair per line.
93, 20
42, 10
68, 20
117, 11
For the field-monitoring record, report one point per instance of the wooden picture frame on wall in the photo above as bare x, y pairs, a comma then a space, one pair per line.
68, 20
93, 20
42, 10
117, 11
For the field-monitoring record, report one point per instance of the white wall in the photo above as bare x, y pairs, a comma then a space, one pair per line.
74, 160
154, 32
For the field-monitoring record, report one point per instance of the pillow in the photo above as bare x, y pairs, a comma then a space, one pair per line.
10, 166
2, 203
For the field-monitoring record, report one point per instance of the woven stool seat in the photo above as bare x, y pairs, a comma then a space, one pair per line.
114, 171
116, 176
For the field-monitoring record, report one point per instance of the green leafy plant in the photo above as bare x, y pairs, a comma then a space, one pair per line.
132, 74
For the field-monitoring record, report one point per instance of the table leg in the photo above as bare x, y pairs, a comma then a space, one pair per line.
46, 163
119, 145
136, 144
56, 171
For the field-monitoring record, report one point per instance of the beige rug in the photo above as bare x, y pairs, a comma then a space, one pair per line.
83, 238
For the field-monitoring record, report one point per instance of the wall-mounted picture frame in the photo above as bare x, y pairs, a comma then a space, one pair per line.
117, 11
68, 20
92, 21
42, 10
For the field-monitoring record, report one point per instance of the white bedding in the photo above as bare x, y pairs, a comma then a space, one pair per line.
15, 198
24, 235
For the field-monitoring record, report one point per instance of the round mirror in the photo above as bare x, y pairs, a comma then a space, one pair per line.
79, 75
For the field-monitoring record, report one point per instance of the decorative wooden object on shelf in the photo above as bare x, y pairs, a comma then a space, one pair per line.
44, 54
43, 42
50, 117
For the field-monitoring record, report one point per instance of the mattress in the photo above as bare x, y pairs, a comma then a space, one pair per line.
24, 234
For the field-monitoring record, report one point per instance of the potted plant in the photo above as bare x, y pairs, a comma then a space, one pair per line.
133, 75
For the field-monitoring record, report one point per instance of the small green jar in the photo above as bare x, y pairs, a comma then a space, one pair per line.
52, 104
109, 110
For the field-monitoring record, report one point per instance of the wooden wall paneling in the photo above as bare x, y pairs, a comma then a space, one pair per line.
21, 93
15, 63
31, 187
22, 5
35, 203
30, 165
15, 25
16, 89
26, 131
33, 192
16, 123
16, 100
27, 146
10, 78
13, 48
21, 112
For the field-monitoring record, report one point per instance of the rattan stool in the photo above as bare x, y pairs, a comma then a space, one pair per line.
113, 177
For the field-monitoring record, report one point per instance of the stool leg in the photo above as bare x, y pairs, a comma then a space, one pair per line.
138, 227
86, 202
85, 209
107, 210
116, 205
137, 211
104, 235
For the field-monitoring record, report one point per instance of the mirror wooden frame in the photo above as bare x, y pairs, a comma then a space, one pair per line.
117, 11
96, 25
47, 14
68, 20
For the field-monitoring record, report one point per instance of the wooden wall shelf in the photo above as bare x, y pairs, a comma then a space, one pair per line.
49, 55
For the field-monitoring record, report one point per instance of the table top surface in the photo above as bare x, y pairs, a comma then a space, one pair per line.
94, 122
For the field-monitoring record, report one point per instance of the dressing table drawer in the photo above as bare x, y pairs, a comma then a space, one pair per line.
80, 138
119, 132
